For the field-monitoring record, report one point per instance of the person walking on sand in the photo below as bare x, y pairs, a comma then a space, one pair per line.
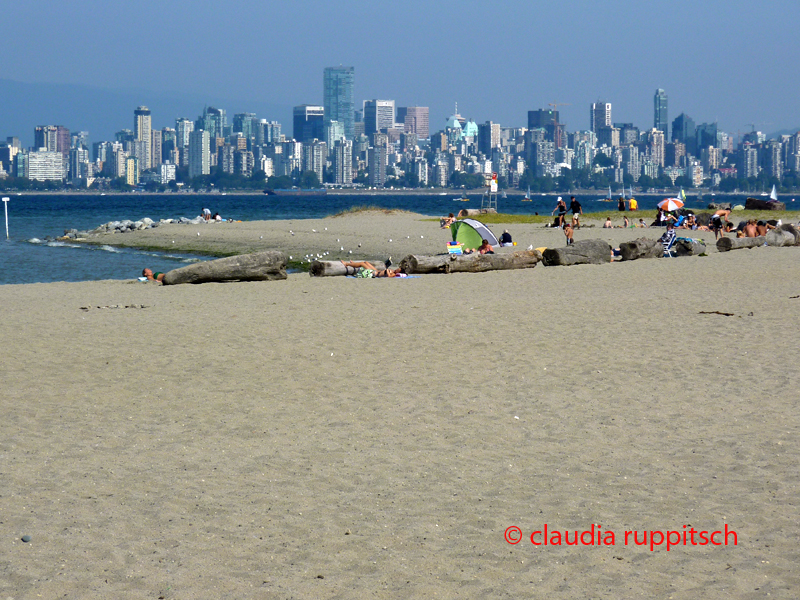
568, 232
561, 207
716, 221
577, 211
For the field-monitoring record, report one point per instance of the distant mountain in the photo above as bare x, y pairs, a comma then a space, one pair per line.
102, 112
777, 134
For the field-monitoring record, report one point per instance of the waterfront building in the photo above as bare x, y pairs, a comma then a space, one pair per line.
338, 97
156, 142
78, 163
131, 170
655, 146
711, 158
226, 158
245, 123
199, 153
315, 154
334, 131
142, 132
378, 115
183, 127
660, 112
600, 115
378, 156
308, 120
488, 137
167, 170
748, 161
243, 163
213, 121
45, 165
53, 138
773, 164
707, 134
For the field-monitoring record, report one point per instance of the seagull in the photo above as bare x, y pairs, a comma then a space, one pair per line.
359, 245
314, 231
350, 251
198, 234
342, 248
421, 237
389, 238
290, 258
326, 229
530, 247
261, 238
337, 239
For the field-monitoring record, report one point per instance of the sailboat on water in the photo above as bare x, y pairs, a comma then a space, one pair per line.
609, 199
527, 197
773, 195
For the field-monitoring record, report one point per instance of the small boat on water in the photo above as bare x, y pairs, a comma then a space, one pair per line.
527, 197
609, 199
773, 195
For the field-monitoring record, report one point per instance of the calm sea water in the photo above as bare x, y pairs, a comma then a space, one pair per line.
26, 258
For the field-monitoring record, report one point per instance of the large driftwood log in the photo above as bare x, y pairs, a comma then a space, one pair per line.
333, 268
593, 252
756, 204
793, 230
474, 212
259, 266
641, 248
689, 247
470, 263
724, 244
779, 237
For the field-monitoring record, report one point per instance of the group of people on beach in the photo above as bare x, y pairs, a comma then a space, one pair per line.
561, 208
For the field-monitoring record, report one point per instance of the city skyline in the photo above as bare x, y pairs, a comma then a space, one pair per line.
572, 55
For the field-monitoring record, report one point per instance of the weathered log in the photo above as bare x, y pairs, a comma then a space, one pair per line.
641, 248
474, 212
756, 204
259, 266
689, 247
724, 244
333, 268
593, 252
470, 263
779, 237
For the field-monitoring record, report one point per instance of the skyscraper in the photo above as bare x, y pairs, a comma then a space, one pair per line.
378, 114
308, 123
142, 132
199, 154
338, 99
600, 115
685, 131
660, 121
416, 120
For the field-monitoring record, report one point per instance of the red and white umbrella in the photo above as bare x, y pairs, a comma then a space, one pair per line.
670, 204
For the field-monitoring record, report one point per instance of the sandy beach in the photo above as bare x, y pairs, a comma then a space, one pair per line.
343, 438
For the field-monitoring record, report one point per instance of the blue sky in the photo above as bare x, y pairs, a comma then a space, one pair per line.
734, 61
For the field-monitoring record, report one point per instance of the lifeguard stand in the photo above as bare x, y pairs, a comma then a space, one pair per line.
489, 198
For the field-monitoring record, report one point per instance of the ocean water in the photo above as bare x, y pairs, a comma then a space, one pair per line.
27, 258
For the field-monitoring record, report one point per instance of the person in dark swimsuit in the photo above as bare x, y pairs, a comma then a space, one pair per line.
157, 276
561, 207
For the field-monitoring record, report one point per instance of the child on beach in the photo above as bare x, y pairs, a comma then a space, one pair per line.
568, 232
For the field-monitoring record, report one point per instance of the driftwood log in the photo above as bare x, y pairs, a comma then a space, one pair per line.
259, 266
724, 244
641, 248
689, 247
779, 237
474, 212
470, 263
332, 268
756, 204
585, 252
793, 230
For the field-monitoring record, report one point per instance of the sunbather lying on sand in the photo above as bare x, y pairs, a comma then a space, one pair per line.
368, 270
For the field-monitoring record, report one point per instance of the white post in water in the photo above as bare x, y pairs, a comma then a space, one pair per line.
5, 205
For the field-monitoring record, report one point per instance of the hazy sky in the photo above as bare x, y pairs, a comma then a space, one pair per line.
733, 61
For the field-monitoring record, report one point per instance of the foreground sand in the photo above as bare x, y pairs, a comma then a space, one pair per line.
341, 438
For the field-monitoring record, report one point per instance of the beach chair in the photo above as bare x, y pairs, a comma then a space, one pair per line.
669, 251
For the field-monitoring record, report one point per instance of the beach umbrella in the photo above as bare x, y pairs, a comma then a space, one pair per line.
670, 204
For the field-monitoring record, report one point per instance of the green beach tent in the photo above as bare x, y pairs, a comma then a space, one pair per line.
471, 233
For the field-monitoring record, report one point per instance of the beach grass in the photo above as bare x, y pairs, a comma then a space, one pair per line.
368, 208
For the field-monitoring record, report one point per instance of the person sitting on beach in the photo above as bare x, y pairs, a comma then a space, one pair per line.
689, 223
505, 239
157, 276
206, 212
561, 207
762, 227
568, 232
217, 217
750, 229
445, 222
668, 239
607, 224
641, 223
366, 270
625, 222
484, 248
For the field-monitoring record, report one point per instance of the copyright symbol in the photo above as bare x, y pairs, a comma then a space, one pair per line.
513, 535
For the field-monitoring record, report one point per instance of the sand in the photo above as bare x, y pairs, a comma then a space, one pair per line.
342, 438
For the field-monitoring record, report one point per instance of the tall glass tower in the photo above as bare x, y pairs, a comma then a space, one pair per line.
660, 120
338, 97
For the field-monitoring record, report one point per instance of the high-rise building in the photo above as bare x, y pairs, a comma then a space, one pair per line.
416, 120
54, 138
655, 145
245, 123
183, 127
600, 115
199, 153
142, 132
488, 137
378, 114
660, 113
685, 131
308, 123
338, 98
45, 166
156, 144
314, 155
343, 162
213, 120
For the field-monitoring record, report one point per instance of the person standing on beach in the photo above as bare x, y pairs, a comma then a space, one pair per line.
577, 211
561, 207
568, 231
621, 204
716, 221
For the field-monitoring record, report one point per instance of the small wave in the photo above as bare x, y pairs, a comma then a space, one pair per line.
35, 241
110, 249
63, 245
